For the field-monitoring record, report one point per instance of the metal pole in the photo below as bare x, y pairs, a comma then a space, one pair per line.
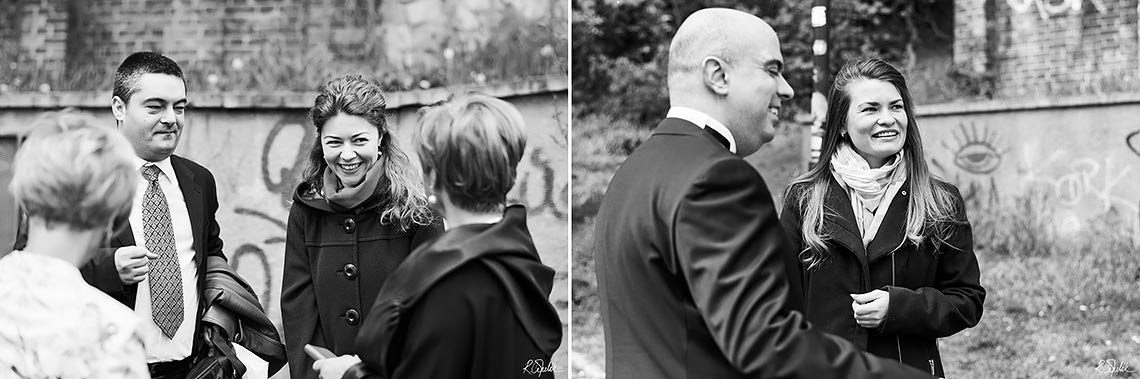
820, 75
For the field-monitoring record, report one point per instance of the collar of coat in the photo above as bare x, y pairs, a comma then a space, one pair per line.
839, 223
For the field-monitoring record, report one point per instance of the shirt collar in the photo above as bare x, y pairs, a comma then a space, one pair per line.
703, 120
164, 165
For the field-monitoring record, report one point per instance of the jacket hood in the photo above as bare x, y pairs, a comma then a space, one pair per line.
507, 248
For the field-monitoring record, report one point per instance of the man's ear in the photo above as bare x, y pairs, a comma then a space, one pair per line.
714, 74
118, 108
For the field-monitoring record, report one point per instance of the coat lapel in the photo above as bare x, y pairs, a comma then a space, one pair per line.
838, 220
124, 235
192, 194
892, 232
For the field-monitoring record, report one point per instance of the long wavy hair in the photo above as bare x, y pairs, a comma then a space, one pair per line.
930, 210
403, 201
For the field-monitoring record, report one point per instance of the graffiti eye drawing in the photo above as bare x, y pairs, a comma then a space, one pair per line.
977, 151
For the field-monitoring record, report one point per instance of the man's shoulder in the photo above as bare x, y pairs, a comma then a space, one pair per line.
192, 166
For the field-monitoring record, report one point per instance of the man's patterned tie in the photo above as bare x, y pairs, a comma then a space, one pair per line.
165, 277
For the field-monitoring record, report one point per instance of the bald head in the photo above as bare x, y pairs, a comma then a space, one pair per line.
727, 64
727, 34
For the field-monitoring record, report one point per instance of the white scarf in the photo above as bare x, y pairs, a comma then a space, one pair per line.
869, 183
871, 190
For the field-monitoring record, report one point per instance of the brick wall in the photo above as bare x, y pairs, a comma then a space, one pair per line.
1058, 47
92, 37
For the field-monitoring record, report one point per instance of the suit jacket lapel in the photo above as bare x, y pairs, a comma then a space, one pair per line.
123, 234
892, 231
192, 193
839, 220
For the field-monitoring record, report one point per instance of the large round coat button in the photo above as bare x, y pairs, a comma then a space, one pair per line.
350, 271
352, 316
349, 225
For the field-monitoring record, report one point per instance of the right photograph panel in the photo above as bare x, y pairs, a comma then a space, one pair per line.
855, 188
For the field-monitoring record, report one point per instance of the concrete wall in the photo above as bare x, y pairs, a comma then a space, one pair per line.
1083, 154
257, 152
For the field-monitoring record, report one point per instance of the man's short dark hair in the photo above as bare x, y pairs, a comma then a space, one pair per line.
137, 64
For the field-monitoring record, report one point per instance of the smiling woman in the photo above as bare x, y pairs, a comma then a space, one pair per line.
358, 212
886, 250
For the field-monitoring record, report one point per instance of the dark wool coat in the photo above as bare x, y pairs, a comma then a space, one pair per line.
934, 293
336, 259
472, 304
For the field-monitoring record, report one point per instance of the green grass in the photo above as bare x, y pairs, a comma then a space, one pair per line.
1055, 308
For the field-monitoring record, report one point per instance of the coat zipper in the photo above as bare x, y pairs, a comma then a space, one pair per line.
932, 367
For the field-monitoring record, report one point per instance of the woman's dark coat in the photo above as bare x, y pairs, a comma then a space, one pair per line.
472, 304
934, 292
336, 259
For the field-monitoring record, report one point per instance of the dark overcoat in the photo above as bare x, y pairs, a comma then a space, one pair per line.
934, 290
336, 259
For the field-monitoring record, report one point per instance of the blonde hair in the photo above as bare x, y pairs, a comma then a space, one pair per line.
931, 207
401, 186
72, 172
473, 143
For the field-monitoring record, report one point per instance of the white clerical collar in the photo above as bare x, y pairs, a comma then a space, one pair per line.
702, 120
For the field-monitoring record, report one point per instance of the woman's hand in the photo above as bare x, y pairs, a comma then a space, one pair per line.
871, 308
334, 368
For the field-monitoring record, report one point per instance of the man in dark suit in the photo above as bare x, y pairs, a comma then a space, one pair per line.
154, 262
696, 277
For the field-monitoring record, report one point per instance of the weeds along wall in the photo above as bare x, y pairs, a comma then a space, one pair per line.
253, 45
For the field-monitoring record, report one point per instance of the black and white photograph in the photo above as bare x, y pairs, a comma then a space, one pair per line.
855, 188
284, 189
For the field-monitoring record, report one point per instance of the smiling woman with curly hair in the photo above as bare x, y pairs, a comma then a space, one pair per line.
358, 212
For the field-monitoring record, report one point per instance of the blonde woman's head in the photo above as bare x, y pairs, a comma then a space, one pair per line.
72, 173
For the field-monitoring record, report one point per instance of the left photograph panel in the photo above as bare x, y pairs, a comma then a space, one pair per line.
284, 189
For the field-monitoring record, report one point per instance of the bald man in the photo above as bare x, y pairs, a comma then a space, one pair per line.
696, 277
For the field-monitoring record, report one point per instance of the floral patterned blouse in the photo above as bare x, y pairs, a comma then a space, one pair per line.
54, 325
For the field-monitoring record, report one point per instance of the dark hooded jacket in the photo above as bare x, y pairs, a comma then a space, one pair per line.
472, 304
935, 291
336, 259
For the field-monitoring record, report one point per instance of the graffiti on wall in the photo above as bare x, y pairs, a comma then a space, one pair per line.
283, 157
1133, 142
989, 172
280, 178
975, 153
1052, 8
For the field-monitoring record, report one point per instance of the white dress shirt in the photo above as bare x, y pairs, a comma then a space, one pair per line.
158, 347
704, 121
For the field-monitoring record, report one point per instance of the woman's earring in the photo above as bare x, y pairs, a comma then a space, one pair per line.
431, 199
